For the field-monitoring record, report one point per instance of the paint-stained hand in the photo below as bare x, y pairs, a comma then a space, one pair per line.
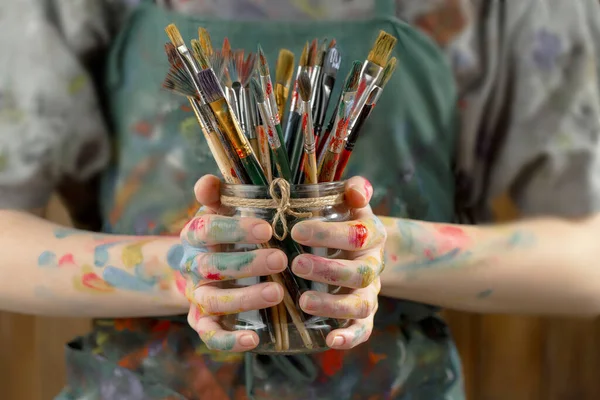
363, 238
204, 265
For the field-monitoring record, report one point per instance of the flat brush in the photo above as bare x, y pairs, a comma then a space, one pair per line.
291, 125
189, 62
267, 85
227, 123
278, 151
352, 137
244, 68
347, 96
371, 70
283, 78
316, 74
310, 157
331, 66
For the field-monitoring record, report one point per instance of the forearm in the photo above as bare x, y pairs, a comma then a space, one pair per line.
51, 270
545, 266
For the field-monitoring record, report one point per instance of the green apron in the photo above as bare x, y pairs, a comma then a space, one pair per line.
406, 153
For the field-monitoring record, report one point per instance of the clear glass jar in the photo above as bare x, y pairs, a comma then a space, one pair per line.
286, 329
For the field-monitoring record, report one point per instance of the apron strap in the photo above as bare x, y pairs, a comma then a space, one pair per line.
385, 8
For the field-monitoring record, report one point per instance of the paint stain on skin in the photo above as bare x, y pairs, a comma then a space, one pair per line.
215, 277
174, 256
321, 235
224, 342
225, 230
226, 299
357, 235
132, 254
235, 261
359, 334
101, 255
120, 279
67, 259
90, 282
367, 275
332, 271
47, 259
485, 294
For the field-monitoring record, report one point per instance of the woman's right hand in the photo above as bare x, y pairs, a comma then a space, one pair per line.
204, 266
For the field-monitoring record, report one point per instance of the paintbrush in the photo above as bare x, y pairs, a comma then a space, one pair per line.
228, 124
283, 78
347, 97
264, 149
244, 69
352, 137
277, 150
293, 117
371, 70
328, 164
331, 66
265, 80
316, 76
179, 82
310, 158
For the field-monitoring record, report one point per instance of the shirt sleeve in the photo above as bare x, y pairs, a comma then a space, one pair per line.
51, 125
547, 162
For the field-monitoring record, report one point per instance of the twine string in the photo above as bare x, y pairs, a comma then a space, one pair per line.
283, 205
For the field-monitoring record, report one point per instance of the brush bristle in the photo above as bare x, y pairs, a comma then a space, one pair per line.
226, 47
321, 53
205, 42
218, 62
351, 83
332, 43
304, 56
382, 49
245, 68
179, 84
312, 53
199, 54
263, 65
234, 63
173, 55
209, 86
389, 69
285, 67
304, 86
257, 91
226, 78
174, 35
332, 62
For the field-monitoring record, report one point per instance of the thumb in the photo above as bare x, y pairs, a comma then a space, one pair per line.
207, 191
358, 192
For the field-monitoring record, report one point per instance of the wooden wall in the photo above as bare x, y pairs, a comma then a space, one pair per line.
504, 357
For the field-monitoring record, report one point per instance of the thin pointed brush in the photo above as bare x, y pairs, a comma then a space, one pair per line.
371, 71
177, 81
316, 76
244, 69
267, 85
199, 54
347, 96
352, 137
264, 149
310, 157
189, 62
291, 126
229, 125
278, 151
283, 78
331, 66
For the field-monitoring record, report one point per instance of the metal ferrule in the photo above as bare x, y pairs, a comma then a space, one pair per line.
308, 128
234, 103
268, 121
374, 95
368, 78
315, 79
248, 113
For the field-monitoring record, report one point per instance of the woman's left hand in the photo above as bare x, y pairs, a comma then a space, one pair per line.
364, 239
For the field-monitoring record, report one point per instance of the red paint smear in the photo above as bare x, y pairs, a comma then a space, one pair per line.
93, 281
143, 128
186, 108
269, 89
332, 362
66, 259
214, 277
197, 224
451, 237
358, 235
232, 172
180, 282
304, 121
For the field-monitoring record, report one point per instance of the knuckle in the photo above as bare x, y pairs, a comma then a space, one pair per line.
246, 301
211, 304
364, 309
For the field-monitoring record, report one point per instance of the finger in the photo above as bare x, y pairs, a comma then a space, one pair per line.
355, 235
216, 301
208, 192
356, 305
358, 192
346, 338
205, 267
218, 339
356, 274
211, 229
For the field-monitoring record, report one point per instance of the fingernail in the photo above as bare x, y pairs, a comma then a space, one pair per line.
359, 191
275, 261
301, 232
302, 266
310, 302
271, 293
248, 341
261, 232
338, 341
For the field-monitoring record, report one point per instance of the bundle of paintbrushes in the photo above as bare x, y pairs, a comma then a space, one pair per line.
240, 113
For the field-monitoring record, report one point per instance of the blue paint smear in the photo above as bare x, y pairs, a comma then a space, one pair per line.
47, 259
174, 256
122, 280
101, 254
429, 263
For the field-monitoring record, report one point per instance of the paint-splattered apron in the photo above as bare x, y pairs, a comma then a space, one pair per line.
406, 153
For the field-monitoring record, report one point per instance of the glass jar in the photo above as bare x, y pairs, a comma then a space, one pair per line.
285, 329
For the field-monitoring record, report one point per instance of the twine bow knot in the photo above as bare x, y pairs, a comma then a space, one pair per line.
284, 207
